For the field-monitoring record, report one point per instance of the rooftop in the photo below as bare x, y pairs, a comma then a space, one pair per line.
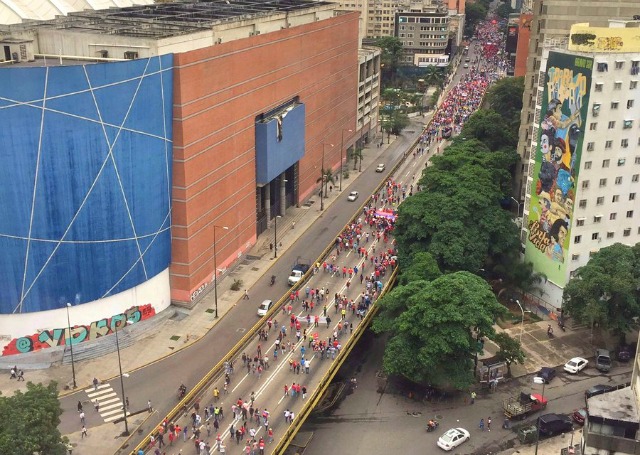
164, 20
619, 405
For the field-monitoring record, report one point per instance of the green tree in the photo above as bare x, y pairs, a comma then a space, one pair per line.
457, 217
505, 97
474, 13
503, 10
510, 349
327, 177
488, 126
435, 340
357, 156
606, 291
434, 76
420, 266
30, 422
390, 58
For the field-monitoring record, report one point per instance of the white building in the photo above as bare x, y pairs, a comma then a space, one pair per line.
583, 187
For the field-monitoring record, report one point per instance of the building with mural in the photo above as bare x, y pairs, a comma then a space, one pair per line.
585, 172
130, 134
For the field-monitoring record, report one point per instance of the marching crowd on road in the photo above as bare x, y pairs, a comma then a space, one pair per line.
310, 334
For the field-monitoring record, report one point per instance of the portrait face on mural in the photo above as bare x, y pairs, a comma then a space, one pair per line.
557, 155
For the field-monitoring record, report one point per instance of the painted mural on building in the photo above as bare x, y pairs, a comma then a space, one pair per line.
79, 333
557, 161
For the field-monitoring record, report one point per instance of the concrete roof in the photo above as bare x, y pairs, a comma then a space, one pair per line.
619, 405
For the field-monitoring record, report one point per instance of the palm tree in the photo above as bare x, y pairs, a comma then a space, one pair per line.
357, 155
327, 176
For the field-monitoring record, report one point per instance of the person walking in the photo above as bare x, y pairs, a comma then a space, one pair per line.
246, 295
82, 417
489, 423
84, 432
481, 425
79, 406
473, 397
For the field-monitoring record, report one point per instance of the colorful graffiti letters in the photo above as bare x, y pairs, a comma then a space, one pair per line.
78, 334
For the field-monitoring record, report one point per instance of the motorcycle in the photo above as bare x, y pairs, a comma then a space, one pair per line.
273, 280
561, 325
182, 391
431, 426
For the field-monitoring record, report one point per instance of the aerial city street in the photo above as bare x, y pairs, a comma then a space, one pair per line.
280, 238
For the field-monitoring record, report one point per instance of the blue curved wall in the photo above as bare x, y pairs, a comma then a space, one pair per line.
85, 180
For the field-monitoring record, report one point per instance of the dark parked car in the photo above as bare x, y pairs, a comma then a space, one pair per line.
597, 390
624, 353
551, 424
547, 374
579, 416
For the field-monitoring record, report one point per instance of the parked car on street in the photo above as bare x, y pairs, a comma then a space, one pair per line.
453, 438
520, 406
603, 360
597, 390
547, 374
624, 353
575, 365
550, 424
579, 416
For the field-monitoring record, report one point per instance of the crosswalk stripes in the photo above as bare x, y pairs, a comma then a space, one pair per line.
110, 403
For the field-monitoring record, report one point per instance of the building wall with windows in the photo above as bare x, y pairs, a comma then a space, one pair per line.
585, 181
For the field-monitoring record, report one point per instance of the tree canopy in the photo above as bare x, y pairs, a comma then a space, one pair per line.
474, 13
505, 97
30, 422
605, 291
390, 58
488, 126
434, 340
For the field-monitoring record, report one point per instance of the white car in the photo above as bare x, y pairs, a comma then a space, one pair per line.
352, 196
380, 167
264, 307
575, 365
453, 438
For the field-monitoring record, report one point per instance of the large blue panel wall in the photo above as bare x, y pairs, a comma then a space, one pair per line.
274, 156
85, 180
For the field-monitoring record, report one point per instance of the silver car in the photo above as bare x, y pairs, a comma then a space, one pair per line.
352, 196
264, 307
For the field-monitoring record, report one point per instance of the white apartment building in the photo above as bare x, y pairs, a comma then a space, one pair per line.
583, 186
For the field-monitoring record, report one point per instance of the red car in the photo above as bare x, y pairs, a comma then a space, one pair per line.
579, 416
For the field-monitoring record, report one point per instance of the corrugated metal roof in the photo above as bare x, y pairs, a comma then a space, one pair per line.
17, 11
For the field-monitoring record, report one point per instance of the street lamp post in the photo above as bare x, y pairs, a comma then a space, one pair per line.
275, 236
341, 147
124, 399
215, 268
517, 202
73, 367
539, 380
522, 323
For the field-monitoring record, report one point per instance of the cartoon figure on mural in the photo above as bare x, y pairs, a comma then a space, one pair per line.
557, 160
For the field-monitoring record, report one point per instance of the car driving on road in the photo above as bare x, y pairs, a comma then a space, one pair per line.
380, 167
264, 307
453, 438
352, 196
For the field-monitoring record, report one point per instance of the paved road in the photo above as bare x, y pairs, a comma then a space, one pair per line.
160, 380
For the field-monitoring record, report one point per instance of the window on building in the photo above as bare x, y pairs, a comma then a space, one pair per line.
614, 105
585, 184
629, 213
599, 86
610, 235
603, 183
635, 177
605, 163
577, 239
617, 85
590, 146
130, 55
615, 198
587, 164
595, 236
626, 232
608, 144
597, 218
575, 257
602, 67
624, 143
632, 85
627, 124
629, 104
618, 180
582, 204
612, 216
619, 65
637, 160
612, 124
580, 222
593, 126
632, 196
